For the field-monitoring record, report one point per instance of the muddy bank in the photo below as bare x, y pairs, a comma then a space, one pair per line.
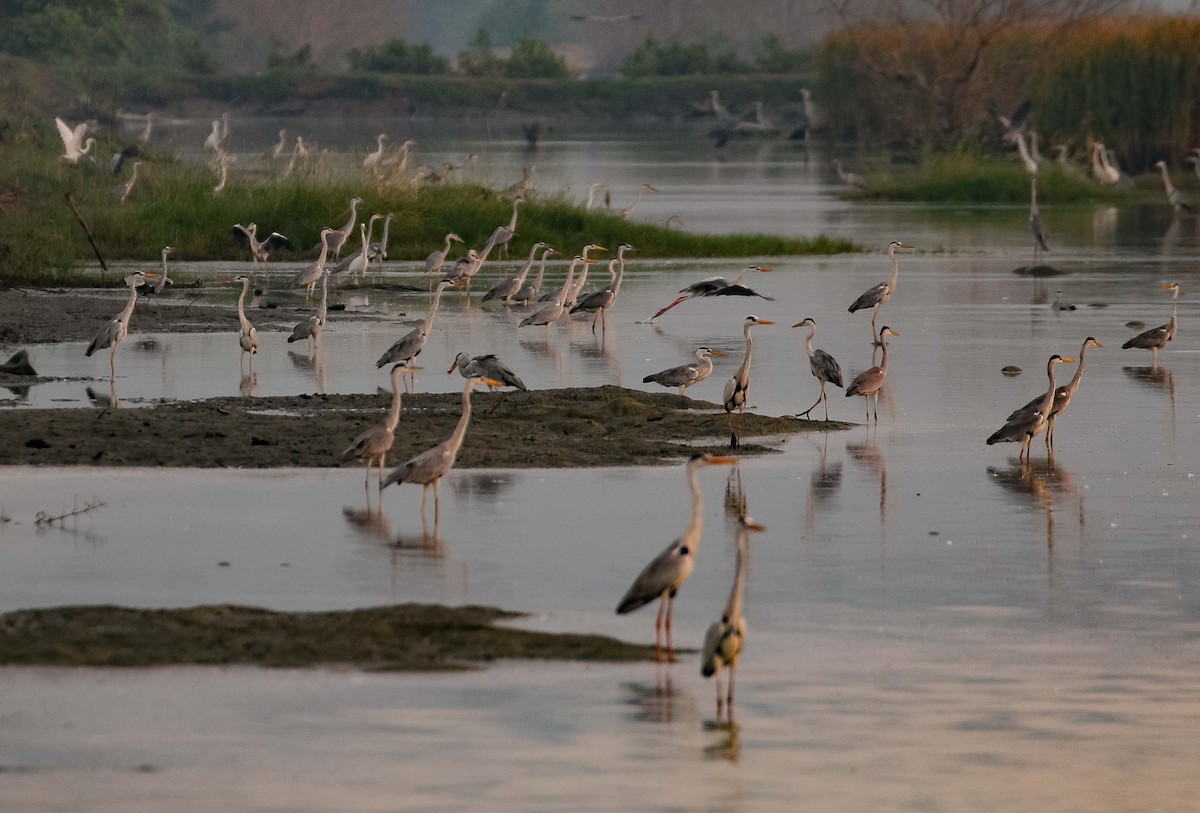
586, 426
405, 637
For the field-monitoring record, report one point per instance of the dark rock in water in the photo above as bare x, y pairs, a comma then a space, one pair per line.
18, 364
1010, 369
1136, 324
1039, 271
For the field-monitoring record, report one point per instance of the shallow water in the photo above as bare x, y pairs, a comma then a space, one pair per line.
931, 625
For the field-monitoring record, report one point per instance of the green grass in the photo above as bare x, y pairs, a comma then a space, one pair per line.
961, 178
173, 204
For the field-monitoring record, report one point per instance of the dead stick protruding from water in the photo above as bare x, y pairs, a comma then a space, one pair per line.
86, 230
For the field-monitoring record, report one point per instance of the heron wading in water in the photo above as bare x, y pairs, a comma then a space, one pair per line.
737, 388
1027, 425
876, 296
824, 367
114, 330
666, 573
868, 383
1156, 338
1062, 396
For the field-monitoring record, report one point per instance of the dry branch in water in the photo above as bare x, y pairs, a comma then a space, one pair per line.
44, 520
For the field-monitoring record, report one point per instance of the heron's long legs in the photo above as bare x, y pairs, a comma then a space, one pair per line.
658, 623
670, 612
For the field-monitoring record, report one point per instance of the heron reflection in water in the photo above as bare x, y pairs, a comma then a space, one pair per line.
1038, 483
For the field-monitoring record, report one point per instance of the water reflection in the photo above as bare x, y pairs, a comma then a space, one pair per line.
823, 483
313, 362
248, 385
371, 522
1038, 483
868, 454
486, 486
104, 400
1157, 378
659, 702
729, 747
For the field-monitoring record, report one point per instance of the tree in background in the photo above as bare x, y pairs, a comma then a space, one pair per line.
534, 59
480, 60
397, 56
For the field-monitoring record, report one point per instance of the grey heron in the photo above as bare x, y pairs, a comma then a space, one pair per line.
1059, 305
824, 367
214, 141
410, 345
435, 261
851, 179
247, 335
505, 289
280, 145
592, 190
686, 375
1062, 396
1036, 226
548, 314
1016, 123
600, 301
378, 251
260, 249
74, 146
1026, 425
338, 237
869, 382
503, 234
356, 264
724, 639
876, 296
430, 466
114, 330
1156, 338
1173, 196
1031, 166
490, 367
310, 276
463, 269
312, 327
530, 290
122, 191
627, 212
718, 286
162, 281
377, 441
568, 291
666, 572
737, 388
371, 162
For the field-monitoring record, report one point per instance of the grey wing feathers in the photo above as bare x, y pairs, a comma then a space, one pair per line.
869, 299
654, 580
673, 377
712, 642
826, 366
402, 350
104, 337
1154, 337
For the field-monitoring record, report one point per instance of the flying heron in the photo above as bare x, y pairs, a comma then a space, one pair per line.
74, 146
725, 638
666, 573
1156, 338
737, 388
430, 466
718, 286
824, 367
876, 296
377, 441
1062, 396
1026, 425
685, 375
260, 249
869, 382
114, 330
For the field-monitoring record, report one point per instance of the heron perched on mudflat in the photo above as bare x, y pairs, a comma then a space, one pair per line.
312, 327
1026, 425
737, 388
162, 281
430, 466
725, 638
1173, 195
435, 261
666, 573
377, 441
875, 297
718, 286
1062, 396
260, 249
824, 367
686, 375
868, 383
489, 367
505, 289
410, 345
114, 330
310, 276
74, 147
1036, 226
600, 301
1156, 338
247, 334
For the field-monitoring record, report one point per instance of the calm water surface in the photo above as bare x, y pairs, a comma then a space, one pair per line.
931, 625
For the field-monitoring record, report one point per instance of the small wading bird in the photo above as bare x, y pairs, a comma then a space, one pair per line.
260, 250
430, 466
1036, 226
505, 289
685, 375
1173, 197
312, 327
74, 146
718, 286
725, 638
311, 275
377, 441
114, 330
666, 573
435, 261
156, 287
824, 367
1026, 426
1059, 305
1156, 338
737, 388
852, 179
410, 345
248, 335
600, 301
876, 296
488, 367
1062, 396
869, 382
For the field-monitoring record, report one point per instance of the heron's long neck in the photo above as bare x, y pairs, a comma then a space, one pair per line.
437, 298
749, 349
324, 250
1033, 209
566, 286
578, 286
1048, 399
512, 221
164, 264
349, 227
1075, 379
895, 277
460, 430
812, 331
620, 275
541, 272
1166, 179
446, 248
883, 361
242, 304
394, 416
733, 609
691, 536
127, 311
387, 222
525, 270
322, 311
1024, 150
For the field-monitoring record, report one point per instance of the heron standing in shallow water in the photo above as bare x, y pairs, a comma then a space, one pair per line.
1156, 338
824, 367
410, 345
737, 388
869, 382
247, 335
1026, 425
1062, 396
377, 441
430, 466
876, 296
666, 573
725, 638
114, 330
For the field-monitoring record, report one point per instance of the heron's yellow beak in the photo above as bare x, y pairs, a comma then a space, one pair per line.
716, 353
766, 270
765, 322
599, 248
588, 261
722, 461
1097, 344
907, 245
798, 324
1168, 287
453, 367
1068, 361
754, 526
